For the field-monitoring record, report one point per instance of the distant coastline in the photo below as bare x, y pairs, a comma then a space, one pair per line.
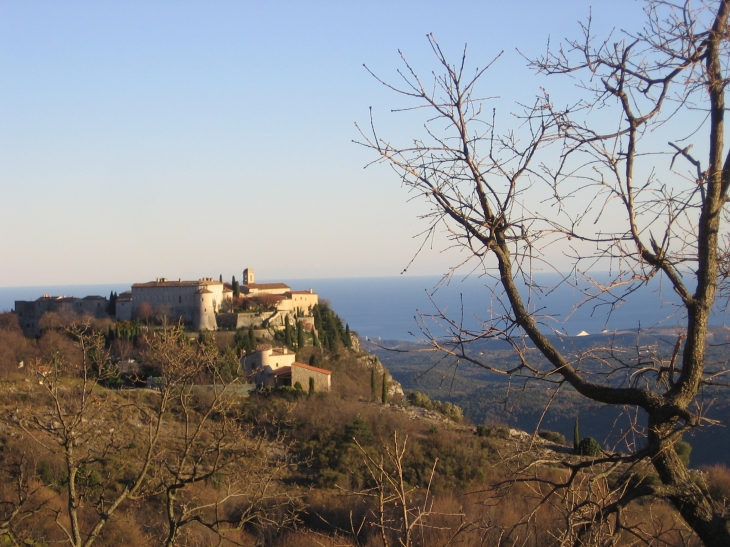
385, 307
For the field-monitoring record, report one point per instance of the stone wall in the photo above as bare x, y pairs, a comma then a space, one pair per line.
302, 373
237, 321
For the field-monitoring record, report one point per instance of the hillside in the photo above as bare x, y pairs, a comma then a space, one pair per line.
89, 457
488, 398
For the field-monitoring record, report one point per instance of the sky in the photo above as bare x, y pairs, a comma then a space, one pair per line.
189, 139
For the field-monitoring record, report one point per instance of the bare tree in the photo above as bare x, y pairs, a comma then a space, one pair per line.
210, 443
72, 417
183, 447
399, 511
592, 179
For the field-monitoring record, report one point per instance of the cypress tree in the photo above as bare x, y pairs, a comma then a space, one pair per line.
313, 360
317, 317
220, 278
384, 393
300, 335
287, 332
236, 288
576, 436
348, 338
251, 340
311, 385
315, 339
373, 384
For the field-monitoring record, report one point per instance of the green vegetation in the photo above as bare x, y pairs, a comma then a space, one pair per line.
373, 384
496, 431
552, 436
329, 326
589, 447
300, 335
683, 449
449, 410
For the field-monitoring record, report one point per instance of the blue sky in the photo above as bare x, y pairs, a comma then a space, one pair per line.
187, 139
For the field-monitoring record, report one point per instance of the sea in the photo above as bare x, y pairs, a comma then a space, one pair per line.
401, 308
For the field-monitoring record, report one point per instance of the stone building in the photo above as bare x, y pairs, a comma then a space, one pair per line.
195, 302
301, 372
299, 302
264, 361
273, 367
30, 312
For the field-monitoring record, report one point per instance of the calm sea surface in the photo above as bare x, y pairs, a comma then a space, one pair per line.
386, 307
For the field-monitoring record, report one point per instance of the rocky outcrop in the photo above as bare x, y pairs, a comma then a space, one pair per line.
369, 360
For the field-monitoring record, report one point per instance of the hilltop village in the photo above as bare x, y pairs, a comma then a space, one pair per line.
266, 310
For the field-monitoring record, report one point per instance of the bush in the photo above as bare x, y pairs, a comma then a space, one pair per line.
717, 478
589, 447
450, 410
421, 400
498, 431
683, 449
552, 436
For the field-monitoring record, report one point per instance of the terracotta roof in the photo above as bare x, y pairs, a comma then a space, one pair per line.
175, 284
264, 286
93, 298
282, 371
302, 292
310, 367
203, 290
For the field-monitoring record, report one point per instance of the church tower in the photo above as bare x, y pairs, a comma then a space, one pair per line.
248, 276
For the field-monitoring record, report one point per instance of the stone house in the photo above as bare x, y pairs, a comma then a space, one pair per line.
272, 367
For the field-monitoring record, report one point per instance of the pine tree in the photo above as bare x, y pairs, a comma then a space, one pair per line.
384, 393
576, 436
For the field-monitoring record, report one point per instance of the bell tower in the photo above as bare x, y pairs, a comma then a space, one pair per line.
248, 276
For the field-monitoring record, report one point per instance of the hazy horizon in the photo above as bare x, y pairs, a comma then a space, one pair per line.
148, 137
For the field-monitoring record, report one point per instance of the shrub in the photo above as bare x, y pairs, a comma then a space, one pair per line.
421, 400
552, 436
717, 478
589, 447
498, 431
450, 410
683, 449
